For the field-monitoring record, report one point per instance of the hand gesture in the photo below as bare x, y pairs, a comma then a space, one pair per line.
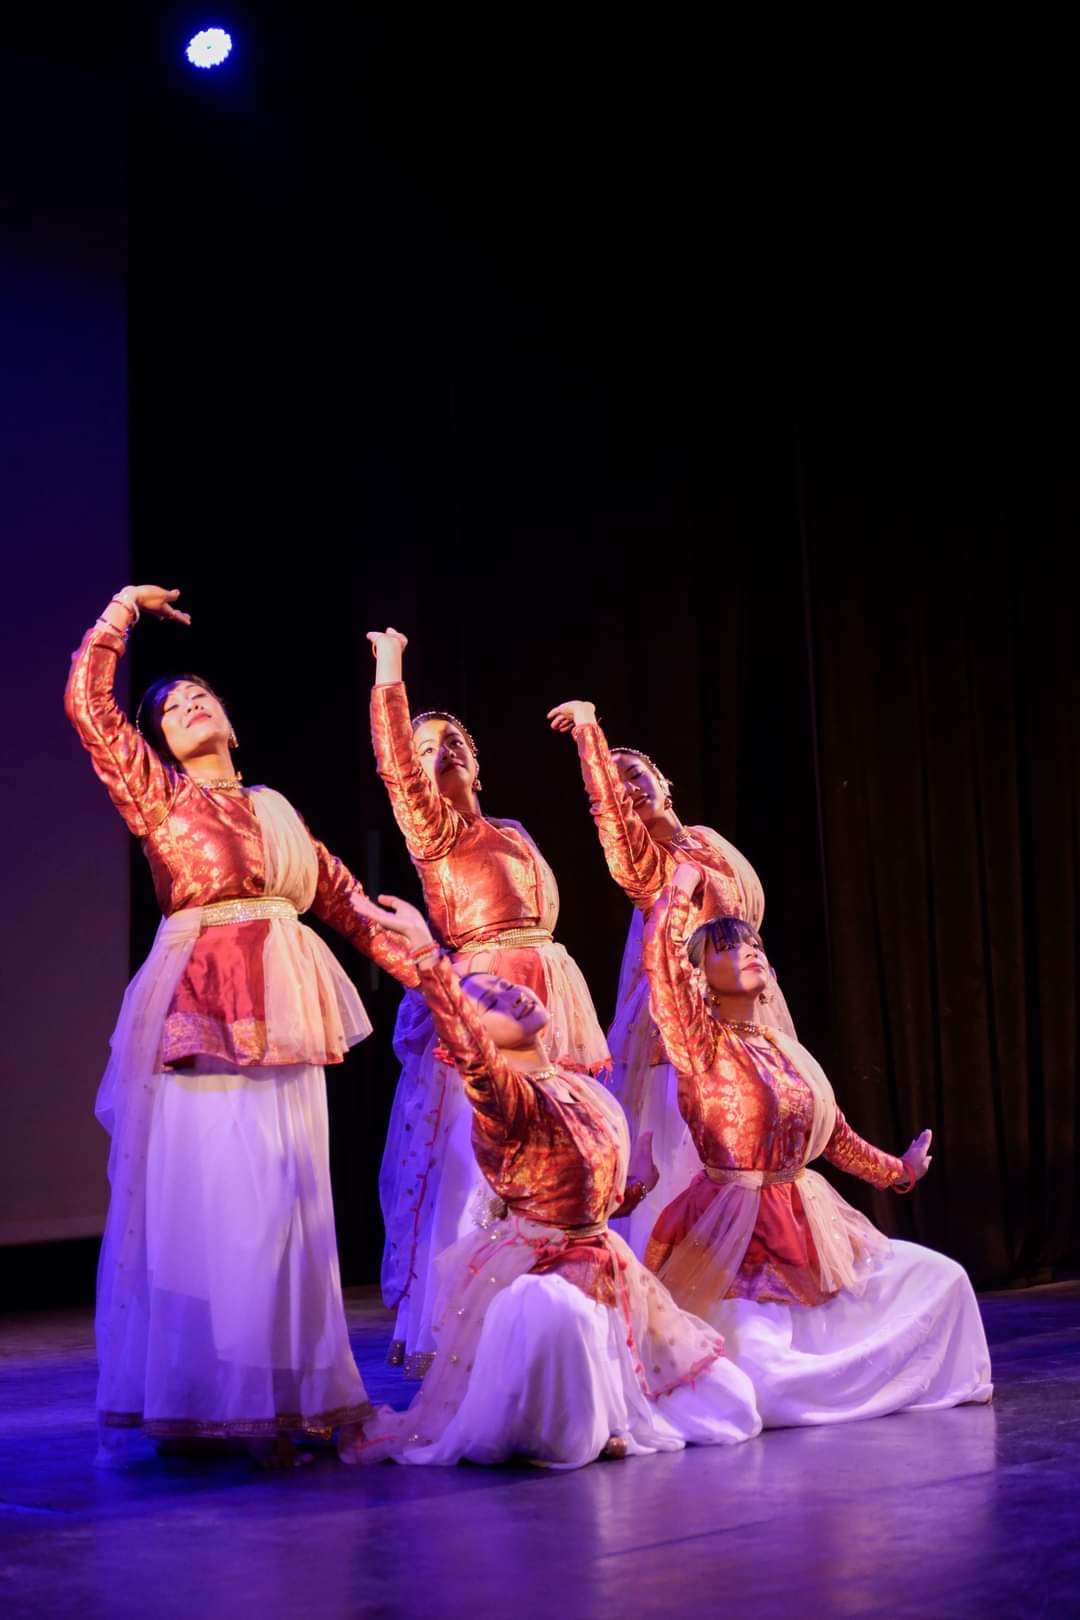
565, 716
917, 1158
157, 601
387, 646
398, 916
642, 1166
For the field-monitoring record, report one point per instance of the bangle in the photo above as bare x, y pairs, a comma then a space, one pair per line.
132, 607
908, 1184
422, 950
115, 628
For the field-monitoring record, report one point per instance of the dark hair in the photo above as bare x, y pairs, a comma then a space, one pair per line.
724, 933
151, 704
452, 720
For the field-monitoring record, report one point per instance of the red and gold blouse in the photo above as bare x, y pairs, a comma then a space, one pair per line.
542, 1145
748, 1108
204, 847
480, 876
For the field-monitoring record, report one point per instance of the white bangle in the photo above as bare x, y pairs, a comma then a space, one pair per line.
125, 601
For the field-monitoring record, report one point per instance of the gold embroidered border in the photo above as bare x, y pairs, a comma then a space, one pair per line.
417, 1363
395, 1356
319, 1424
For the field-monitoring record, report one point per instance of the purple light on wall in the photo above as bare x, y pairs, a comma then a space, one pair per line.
209, 48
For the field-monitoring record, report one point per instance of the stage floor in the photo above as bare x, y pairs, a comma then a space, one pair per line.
963, 1513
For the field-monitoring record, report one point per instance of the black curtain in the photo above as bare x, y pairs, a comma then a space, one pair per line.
408, 349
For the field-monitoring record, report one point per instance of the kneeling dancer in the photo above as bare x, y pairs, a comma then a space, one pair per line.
830, 1319
553, 1341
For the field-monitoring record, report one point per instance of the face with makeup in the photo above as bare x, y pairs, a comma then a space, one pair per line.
444, 752
649, 791
512, 1015
190, 719
732, 956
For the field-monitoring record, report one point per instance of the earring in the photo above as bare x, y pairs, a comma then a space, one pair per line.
478, 786
233, 743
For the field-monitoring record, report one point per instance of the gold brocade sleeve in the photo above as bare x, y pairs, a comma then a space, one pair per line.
634, 859
430, 824
848, 1151
501, 1096
333, 903
688, 1033
137, 780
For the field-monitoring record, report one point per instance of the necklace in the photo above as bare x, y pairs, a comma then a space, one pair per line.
683, 840
219, 784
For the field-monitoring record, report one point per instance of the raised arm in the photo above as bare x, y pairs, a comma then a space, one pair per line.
138, 782
635, 860
336, 902
501, 1095
848, 1151
688, 1033
429, 823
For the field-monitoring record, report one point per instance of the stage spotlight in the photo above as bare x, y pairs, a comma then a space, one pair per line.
209, 48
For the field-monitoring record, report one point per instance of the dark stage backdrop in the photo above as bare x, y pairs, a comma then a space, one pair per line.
418, 341
63, 521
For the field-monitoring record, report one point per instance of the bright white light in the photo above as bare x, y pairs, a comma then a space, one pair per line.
209, 48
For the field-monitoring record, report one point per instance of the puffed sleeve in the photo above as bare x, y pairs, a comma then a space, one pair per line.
503, 1098
688, 1033
430, 824
637, 863
139, 783
848, 1151
333, 903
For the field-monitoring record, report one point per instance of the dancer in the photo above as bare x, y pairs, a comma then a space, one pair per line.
554, 1342
643, 841
829, 1318
219, 1309
492, 900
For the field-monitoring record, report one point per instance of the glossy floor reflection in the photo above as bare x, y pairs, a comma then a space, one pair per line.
970, 1512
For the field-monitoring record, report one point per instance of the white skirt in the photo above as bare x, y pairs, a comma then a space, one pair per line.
552, 1381
913, 1341
245, 1329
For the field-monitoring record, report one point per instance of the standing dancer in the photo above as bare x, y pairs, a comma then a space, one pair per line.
219, 1308
554, 1342
643, 842
829, 1318
493, 901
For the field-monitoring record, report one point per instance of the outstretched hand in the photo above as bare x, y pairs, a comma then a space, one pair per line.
917, 1158
398, 916
565, 716
157, 601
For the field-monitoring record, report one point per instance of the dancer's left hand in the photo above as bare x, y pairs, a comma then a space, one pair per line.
398, 916
917, 1158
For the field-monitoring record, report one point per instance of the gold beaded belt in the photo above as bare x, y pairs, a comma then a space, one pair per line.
242, 911
761, 1178
509, 939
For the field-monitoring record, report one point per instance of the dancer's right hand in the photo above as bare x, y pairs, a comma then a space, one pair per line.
398, 916
156, 600
565, 716
387, 647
